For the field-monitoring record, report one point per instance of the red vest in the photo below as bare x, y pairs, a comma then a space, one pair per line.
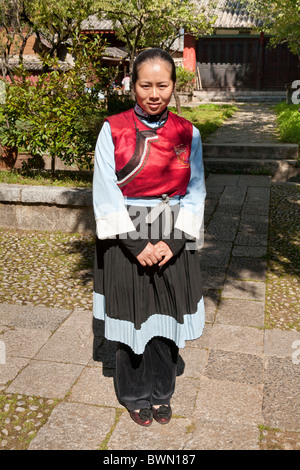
151, 162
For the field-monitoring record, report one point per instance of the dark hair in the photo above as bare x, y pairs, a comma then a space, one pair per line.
152, 54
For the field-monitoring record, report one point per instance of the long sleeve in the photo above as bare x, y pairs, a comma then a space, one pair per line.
110, 212
190, 219
111, 215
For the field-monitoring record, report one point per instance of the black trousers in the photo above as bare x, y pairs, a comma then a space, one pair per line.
149, 378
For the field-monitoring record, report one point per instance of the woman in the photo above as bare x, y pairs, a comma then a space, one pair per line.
148, 194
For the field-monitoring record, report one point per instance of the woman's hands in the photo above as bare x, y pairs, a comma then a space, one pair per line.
152, 254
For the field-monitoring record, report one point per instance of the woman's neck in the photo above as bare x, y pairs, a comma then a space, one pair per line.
150, 117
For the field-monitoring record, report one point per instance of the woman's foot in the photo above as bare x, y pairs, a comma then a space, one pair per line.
162, 413
142, 417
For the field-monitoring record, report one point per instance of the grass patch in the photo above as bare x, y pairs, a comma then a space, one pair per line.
72, 179
207, 118
288, 120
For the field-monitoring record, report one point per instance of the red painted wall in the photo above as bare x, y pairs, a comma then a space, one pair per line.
189, 52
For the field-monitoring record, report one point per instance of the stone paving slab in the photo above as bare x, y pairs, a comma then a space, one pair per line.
240, 339
128, 436
46, 379
241, 312
233, 195
27, 316
188, 388
223, 228
235, 367
72, 341
254, 251
213, 278
222, 436
11, 368
194, 362
211, 299
229, 402
215, 254
94, 388
250, 290
74, 426
23, 342
281, 403
252, 239
247, 269
282, 344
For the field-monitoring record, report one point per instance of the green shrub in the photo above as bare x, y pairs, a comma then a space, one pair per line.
288, 120
184, 79
119, 103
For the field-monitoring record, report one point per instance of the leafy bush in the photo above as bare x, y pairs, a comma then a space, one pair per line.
57, 113
118, 103
184, 79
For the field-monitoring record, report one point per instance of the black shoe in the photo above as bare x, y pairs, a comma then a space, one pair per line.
162, 414
143, 417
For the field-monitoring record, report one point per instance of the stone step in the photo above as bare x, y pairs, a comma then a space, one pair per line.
251, 151
249, 96
280, 170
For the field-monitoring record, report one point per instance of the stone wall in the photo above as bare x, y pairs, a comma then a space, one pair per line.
46, 208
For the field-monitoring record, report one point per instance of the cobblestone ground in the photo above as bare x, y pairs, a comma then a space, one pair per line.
47, 269
55, 270
245, 126
283, 273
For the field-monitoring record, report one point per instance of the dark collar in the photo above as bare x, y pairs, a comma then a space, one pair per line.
149, 117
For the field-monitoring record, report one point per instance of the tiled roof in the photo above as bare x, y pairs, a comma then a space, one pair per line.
92, 23
230, 14
115, 53
33, 63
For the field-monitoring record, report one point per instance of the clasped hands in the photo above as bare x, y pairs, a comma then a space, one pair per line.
152, 254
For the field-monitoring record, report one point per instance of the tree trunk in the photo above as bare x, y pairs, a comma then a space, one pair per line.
177, 101
52, 167
132, 58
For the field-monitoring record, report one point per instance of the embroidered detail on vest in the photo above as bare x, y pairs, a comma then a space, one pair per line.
139, 158
183, 154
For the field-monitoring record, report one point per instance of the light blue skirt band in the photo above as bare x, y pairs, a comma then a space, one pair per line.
156, 325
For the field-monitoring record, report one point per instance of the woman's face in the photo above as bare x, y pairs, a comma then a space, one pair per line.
154, 86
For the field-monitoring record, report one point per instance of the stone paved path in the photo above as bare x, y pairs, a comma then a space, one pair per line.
252, 123
234, 379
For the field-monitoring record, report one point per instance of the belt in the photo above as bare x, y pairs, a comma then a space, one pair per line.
163, 206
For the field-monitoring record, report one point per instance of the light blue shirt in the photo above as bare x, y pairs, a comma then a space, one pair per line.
110, 210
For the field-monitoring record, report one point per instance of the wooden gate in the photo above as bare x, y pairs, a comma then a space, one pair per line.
244, 64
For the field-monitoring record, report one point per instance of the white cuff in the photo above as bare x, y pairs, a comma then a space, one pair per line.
190, 223
113, 224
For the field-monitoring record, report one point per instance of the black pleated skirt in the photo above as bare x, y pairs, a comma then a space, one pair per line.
148, 301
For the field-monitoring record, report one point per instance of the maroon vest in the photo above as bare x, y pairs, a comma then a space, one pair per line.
151, 162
